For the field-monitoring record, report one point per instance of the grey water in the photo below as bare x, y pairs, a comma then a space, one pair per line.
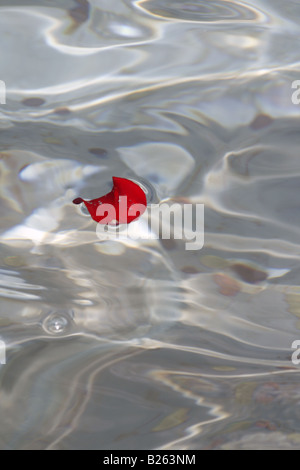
123, 344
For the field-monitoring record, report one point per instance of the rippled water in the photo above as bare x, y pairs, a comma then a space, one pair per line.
140, 345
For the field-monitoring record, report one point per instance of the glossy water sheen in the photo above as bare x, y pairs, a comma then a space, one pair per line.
144, 345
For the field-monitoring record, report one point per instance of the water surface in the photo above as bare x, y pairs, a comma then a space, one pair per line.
143, 345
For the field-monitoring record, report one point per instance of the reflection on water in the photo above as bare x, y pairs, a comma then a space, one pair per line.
139, 345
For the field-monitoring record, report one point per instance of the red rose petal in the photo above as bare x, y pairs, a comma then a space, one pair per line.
125, 203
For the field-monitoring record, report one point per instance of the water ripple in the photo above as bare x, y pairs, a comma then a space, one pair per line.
126, 344
201, 11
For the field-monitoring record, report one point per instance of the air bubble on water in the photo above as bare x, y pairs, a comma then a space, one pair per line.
56, 323
84, 209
